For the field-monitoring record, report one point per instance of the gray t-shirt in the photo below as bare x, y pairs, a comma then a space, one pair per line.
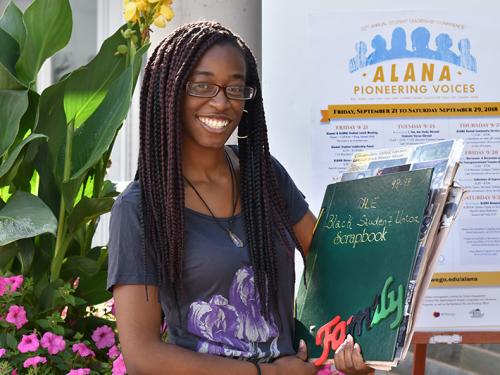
219, 310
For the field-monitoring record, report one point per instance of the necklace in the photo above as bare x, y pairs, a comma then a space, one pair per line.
234, 238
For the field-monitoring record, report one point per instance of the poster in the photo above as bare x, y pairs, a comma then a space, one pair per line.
388, 79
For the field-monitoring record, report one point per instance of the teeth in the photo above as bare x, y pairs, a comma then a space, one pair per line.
213, 123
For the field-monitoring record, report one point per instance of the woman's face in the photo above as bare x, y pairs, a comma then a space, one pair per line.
208, 122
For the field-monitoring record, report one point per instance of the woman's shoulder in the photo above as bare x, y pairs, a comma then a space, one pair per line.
129, 200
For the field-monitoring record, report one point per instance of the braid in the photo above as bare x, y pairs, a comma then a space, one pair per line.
160, 163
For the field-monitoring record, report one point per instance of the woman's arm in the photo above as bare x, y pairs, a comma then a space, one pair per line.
139, 324
304, 230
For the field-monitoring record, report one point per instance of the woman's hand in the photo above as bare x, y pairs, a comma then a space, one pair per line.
348, 358
293, 364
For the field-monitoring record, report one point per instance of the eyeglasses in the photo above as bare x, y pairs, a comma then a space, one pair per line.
210, 90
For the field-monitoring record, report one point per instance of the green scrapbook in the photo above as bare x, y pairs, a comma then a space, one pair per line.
360, 265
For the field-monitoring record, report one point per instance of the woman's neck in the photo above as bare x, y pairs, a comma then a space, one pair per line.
203, 164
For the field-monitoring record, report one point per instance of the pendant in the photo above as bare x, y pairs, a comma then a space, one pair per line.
236, 240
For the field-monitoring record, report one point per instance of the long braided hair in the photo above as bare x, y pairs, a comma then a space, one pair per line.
160, 168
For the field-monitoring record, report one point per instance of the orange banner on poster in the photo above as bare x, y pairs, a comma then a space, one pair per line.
363, 111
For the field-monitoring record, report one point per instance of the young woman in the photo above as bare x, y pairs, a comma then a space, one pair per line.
206, 233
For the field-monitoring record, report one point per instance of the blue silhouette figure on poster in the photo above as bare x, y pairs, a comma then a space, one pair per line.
444, 43
358, 61
379, 46
398, 45
466, 59
420, 38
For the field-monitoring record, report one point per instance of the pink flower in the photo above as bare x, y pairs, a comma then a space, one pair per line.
53, 343
29, 343
79, 371
325, 370
103, 337
34, 361
119, 366
64, 313
82, 350
3, 286
15, 282
17, 316
14, 372
2, 352
113, 352
111, 303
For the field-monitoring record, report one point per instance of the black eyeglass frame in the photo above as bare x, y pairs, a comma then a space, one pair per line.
219, 87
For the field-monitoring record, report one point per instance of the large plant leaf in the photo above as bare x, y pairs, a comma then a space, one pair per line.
88, 209
26, 254
80, 266
52, 122
10, 52
5, 166
89, 85
8, 57
7, 253
48, 29
13, 104
93, 289
30, 117
12, 23
94, 137
25, 216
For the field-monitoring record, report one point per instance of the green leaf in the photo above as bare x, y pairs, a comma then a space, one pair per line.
25, 216
88, 209
7, 252
12, 23
10, 341
43, 323
93, 289
58, 330
30, 117
109, 189
94, 137
48, 29
10, 52
80, 266
13, 104
5, 166
48, 295
8, 58
26, 254
89, 85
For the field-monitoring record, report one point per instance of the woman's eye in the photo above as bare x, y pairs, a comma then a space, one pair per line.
236, 89
203, 86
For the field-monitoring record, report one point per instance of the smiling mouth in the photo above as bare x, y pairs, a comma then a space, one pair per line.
214, 123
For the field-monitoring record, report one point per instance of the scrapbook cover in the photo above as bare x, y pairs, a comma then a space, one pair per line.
360, 264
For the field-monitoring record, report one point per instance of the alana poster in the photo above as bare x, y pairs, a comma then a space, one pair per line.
389, 79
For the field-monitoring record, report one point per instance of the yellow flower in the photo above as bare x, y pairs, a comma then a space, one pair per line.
167, 2
153, 1
159, 21
131, 12
167, 12
142, 5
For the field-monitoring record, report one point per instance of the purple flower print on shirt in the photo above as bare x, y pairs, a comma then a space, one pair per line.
245, 299
234, 327
216, 321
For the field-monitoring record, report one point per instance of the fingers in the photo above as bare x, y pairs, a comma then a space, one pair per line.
348, 358
349, 346
302, 352
357, 359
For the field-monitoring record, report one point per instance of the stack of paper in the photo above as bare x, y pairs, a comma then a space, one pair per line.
377, 239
